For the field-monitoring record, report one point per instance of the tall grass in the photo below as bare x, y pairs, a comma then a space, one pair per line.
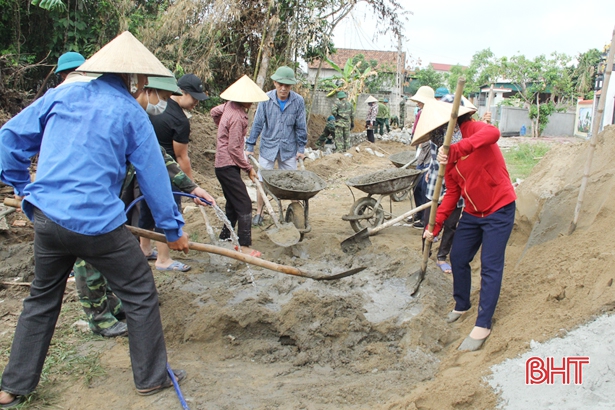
521, 159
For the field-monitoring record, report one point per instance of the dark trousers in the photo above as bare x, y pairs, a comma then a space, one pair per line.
146, 219
420, 197
118, 257
238, 204
492, 232
448, 231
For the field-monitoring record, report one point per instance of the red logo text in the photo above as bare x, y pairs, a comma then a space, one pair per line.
548, 370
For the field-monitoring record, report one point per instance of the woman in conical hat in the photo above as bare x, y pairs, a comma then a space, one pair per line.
232, 121
370, 118
477, 172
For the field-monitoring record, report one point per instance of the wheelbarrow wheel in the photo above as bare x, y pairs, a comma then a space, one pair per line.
295, 215
400, 196
363, 206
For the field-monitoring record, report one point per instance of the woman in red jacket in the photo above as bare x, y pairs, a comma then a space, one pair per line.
476, 170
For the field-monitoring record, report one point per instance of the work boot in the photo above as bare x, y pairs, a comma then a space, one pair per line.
118, 329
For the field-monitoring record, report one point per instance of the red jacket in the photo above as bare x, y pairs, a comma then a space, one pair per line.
476, 170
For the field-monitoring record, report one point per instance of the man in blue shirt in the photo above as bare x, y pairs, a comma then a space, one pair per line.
281, 124
85, 133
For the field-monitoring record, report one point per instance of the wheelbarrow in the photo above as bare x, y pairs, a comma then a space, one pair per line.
401, 159
367, 212
297, 186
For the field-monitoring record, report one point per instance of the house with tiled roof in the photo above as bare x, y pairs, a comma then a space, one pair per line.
444, 68
386, 61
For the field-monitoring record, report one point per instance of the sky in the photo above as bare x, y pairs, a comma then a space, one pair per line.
452, 31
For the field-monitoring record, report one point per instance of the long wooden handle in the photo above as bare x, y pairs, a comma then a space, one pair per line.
201, 247
398, 218
259, 186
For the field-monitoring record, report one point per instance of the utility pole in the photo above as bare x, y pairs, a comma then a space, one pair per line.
400, 68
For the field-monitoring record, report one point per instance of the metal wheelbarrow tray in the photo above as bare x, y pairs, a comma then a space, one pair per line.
384, 182
402, 158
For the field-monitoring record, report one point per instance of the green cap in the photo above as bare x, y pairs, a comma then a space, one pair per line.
341, 94
284, 75
164, 83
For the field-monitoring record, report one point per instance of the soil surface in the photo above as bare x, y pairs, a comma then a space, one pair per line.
252, 338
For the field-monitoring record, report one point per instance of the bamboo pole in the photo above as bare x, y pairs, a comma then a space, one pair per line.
597, 122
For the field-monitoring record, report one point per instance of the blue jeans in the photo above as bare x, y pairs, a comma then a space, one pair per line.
118, 257
492, 232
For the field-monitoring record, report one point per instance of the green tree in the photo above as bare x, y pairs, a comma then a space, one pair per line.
430, 77
584, 74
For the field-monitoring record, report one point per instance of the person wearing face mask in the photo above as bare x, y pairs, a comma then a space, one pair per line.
158, 93
172, 129
90, 131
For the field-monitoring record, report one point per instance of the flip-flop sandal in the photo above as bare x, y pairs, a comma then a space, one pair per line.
445, 267
176, 266
16, 402
470, 344
255, 253
152, 256
180, 375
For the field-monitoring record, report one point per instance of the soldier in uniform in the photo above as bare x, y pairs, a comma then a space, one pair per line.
382, 118
328, 134
344, 121
402, 112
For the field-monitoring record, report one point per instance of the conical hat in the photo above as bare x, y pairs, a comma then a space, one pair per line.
434, 114
125, 55
244, 90
371, 98
423, 94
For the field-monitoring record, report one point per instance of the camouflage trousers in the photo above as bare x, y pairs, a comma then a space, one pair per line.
380, 124
402, 121
342, 137
99, 303
325, 138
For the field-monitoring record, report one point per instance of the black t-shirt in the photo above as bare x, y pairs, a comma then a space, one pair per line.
171, 125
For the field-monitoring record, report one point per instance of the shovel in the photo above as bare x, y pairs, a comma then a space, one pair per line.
360, 240
201, 247
414, 282
284, 234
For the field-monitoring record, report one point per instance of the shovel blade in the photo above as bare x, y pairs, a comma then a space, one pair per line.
414, 281
356, 242
340, 275
284, 235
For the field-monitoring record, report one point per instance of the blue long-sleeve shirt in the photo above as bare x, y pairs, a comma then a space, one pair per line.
281, 131
85, 134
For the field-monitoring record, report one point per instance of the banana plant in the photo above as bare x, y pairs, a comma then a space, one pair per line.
350, 79
50, 4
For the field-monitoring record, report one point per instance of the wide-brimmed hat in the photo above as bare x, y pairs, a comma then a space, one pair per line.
68, 61
126, 55
423, 94
284, 75
164, 83
371, 99
434, 114
192, 85
244, 90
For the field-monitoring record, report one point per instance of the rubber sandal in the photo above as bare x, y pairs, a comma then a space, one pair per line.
176, 266
444, 267
180, 375
16, 402
152, 256
254, 252
453, 316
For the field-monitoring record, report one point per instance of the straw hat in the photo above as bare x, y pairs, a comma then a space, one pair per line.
125, 55
371, 99
244, 90
434, 114
423, 94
